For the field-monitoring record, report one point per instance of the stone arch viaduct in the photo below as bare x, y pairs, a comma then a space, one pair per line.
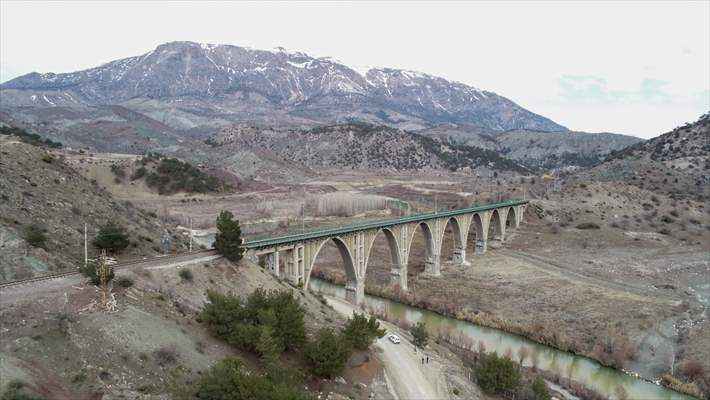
355, 243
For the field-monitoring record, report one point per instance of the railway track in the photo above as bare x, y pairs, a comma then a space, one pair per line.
118, 266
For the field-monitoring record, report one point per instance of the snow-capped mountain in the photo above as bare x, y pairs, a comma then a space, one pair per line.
235, 83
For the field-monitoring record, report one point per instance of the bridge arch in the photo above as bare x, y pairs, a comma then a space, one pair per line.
345, 254
477, 233
511, 221
459, 241
477, 224
432, 245
428, 237
495, 225
392, 244
456, 228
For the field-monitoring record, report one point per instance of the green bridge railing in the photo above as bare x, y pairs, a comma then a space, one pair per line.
319, 233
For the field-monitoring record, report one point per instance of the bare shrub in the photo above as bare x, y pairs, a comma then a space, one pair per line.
166, 355
667, 220
692, 369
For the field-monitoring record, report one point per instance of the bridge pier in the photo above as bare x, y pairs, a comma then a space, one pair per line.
355, 292
432, 266
481, 246
399, 277
459, 256
272, 263
295, 266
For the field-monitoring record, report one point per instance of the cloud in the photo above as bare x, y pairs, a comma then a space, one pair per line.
703, 99
590, 89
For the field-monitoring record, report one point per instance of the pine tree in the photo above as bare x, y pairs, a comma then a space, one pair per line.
111, 237
362, 331
228, 240
328, 353
540, 389
420, 334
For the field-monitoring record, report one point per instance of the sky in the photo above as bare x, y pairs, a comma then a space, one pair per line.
638, 68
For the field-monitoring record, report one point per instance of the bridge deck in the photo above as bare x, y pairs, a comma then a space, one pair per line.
316, 234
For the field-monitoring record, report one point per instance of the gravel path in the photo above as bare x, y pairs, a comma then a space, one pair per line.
411, 379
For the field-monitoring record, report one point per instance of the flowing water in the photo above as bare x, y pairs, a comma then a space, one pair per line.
591, 374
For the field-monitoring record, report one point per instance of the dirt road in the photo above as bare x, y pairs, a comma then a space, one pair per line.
23, 292
411, 379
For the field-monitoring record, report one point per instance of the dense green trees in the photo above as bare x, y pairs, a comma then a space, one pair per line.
540, 389
228, 240
268, 323
30, 138
330, 351
228, 380
496, 374
328, 354
170, 175
111, 237
242, 323
420, 334
361, 331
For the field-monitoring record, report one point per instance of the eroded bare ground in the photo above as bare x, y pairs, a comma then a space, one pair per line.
151, 346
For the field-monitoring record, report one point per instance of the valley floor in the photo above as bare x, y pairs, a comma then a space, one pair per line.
626, 295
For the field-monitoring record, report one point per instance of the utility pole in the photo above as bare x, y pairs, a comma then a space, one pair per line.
190, 234
436, 206
303, 218
490, 190
86, 248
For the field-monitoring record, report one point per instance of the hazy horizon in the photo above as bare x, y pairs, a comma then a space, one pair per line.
634, 68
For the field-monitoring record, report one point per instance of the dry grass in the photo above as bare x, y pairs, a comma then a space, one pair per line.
680, 386
346, 204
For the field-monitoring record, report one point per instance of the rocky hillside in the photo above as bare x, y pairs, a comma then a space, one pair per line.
676, 163
105, 128
687, 146
357, 146
538, 149
187, 85
40, 192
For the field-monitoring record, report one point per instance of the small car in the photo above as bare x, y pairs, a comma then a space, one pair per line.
394, 338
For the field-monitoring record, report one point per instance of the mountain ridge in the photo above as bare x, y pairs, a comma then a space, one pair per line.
539, 149
232, 77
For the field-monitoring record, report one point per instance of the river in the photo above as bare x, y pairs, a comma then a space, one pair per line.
590, 373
